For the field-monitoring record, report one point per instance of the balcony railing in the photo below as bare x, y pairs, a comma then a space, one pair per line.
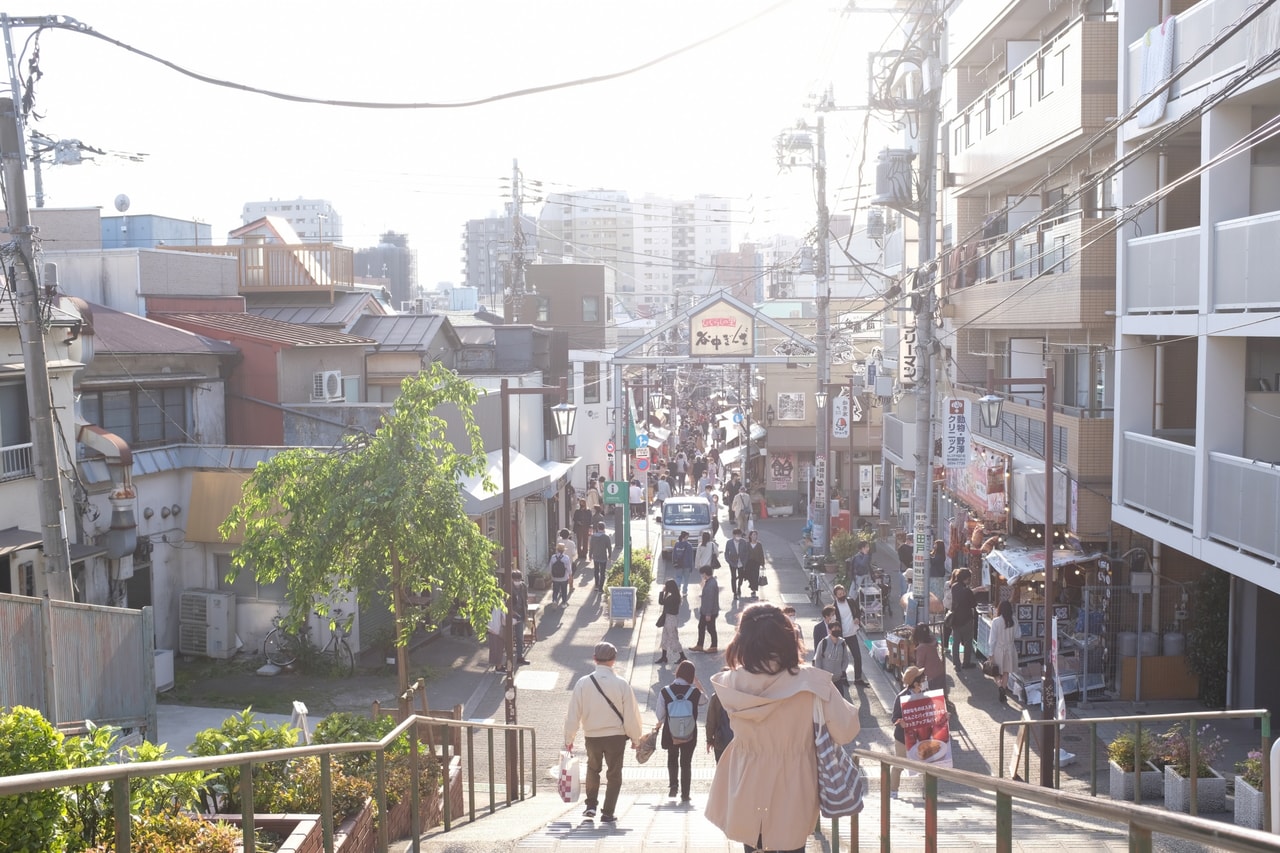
1246, 256
1197, 28
274, 267
15, 462
1243, 496
1157, 477
1162, 273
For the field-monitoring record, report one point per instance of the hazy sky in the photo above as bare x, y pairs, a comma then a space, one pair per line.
701, 122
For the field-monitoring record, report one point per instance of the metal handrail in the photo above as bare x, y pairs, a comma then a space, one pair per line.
118, 775
1138, 720
1142, 822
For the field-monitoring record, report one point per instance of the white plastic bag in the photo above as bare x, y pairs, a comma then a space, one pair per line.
568, 782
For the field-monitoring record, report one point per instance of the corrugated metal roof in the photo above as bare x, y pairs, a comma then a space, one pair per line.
253, 326
408, 332
347, 309
120, 332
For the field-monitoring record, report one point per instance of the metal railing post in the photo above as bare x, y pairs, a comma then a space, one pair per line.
885, 783
380, 794
1194, 769
120, 804
1004, 823
415, 767
326, 801
471, 768
930, 813
246, 805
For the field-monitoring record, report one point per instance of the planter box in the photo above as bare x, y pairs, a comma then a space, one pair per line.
1250, 806
430, 807
1121, 787
1211, 792
303, 833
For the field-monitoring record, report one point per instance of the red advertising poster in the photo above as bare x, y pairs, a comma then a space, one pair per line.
927, 729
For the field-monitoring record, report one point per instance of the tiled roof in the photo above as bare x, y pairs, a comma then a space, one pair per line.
261, 328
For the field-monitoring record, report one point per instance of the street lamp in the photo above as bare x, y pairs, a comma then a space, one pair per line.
989, 411
564, 415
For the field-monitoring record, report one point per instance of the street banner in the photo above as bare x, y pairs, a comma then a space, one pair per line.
840, 417
927, 728
955, 440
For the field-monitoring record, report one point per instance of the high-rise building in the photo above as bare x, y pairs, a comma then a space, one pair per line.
488, 247
314, 219
392, 259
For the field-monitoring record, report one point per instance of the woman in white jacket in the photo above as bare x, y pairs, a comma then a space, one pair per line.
706, 551
1001, 643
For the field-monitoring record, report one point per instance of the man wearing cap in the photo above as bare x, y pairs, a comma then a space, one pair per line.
605, 708
913, 687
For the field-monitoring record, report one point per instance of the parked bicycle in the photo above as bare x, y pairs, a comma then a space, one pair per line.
283, 648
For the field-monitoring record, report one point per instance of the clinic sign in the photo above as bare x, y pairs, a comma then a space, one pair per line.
955, 436
721, 329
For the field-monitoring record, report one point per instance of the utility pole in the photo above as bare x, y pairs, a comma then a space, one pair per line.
44, 454
517, 243
922, 302
822, 490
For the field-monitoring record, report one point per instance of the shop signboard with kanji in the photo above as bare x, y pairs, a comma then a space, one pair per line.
955, 436
721, 329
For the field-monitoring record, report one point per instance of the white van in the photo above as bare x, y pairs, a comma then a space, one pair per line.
690, 515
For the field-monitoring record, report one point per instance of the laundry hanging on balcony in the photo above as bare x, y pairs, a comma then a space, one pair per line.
1157, 64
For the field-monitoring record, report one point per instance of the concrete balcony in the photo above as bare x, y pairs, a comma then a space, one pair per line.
1243, 496
1157, 477
1057, 96
1162, 273
1245, 259
1061, 276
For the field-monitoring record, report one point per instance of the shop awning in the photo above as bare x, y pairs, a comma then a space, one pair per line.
658, 437
1026, 491
527, 478
556, 471
732, 456
1013, 565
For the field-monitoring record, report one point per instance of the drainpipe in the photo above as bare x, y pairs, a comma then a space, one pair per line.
123, 535
1162, 179
1155, 590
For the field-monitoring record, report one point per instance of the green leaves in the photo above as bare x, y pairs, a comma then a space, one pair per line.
31, 745
379, 509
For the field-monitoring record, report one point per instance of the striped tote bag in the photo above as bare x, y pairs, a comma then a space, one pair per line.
841, 782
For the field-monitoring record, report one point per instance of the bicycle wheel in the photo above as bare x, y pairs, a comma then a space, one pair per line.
281, 648
338, 659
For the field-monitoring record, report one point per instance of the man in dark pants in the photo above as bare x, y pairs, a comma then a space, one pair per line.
600, 549
604, 707
582, 525
964, 618
735, 554
848, 612
708, 611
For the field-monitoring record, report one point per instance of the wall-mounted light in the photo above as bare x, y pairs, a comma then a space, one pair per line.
769, 415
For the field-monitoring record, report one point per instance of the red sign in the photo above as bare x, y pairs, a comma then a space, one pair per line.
927, 729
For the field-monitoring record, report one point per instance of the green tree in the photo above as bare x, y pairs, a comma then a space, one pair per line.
381, 511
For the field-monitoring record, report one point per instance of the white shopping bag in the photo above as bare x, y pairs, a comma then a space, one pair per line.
568, 782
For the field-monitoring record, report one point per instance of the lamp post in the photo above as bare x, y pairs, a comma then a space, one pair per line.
564, 417
989, 412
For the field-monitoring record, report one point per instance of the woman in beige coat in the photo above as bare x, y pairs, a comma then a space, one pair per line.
765, 790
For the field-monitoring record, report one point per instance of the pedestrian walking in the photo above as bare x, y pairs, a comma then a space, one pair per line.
714, 500
708, 555
849, 616
570, 546
594, 501
678, 716
682, 557
742, 510
519, 603
636, 497
708, 610
929, 658
755, 562
681, 470
1001, 642
823, 627
735, 554
789, 611
719, 729
604, 707
582, 517
832, 655
669, 600
560, 569
664, 491
601, 550
964, 619
765, 791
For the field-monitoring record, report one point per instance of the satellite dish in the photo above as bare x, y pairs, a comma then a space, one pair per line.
122, 202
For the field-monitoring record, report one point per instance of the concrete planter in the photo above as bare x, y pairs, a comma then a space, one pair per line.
1211, 792
1121, 787
1249, 805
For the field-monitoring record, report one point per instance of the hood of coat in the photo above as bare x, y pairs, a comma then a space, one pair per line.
756, 697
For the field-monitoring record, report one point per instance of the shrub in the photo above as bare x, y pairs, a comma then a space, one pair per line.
843, 546
1175, 750
239, 733
302, 794
345, 727
182, 833
28, 744
1250, 769
1120, 750
641, 574
1207, 640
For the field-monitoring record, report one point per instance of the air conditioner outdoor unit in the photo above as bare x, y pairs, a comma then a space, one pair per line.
327, 386
207, 623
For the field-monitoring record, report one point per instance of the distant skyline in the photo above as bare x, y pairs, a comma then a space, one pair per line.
702, 122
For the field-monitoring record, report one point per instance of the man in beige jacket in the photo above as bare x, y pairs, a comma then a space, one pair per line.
604, 707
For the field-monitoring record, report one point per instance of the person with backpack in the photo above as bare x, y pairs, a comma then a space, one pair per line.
832, 655
678, 716
719, 730
560, 568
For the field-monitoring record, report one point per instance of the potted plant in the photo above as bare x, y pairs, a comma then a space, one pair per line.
1249, 802
1120, 755
843, 546
1211, 787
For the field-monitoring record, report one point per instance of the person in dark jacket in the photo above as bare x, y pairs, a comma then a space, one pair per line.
600, 548
823, 628
755, 563
964, 618
582, 520
680, 755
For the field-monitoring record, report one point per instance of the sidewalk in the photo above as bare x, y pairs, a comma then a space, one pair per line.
647, 819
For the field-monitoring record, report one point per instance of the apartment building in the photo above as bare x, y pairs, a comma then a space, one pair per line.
1197, 423
314, 219
487, 246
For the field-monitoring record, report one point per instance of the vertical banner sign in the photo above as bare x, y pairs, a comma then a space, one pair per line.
908, 369
820, 483
920, 557
955, 441
840, 417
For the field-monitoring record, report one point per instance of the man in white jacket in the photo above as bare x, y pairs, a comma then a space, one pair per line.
604, 707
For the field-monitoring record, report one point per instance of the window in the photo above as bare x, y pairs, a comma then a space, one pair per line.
15, 424
590, 309
246, 586
591, 382
144, 417
544, 310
